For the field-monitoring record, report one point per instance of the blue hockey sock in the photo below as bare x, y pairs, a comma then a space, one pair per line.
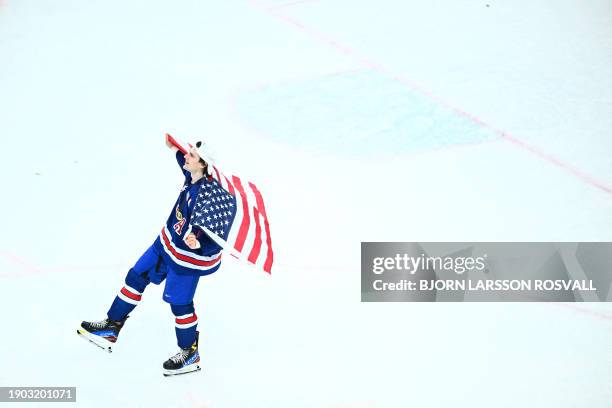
129, 296
186, 322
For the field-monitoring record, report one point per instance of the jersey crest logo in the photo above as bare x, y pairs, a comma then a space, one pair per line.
178, 226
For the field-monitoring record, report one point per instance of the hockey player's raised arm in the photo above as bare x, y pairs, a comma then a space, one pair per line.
178, 148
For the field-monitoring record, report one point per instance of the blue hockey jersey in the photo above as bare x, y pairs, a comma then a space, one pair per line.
184, 260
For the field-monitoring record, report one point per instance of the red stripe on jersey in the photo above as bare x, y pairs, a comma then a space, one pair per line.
186, 320
186, 258
131, 295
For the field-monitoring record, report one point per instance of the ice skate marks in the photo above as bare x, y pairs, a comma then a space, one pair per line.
355, 113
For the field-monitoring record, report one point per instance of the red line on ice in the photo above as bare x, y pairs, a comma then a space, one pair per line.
515, 141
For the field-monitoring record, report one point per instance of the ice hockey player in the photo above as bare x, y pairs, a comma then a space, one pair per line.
179, 256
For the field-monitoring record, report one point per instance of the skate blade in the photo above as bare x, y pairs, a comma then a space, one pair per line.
184, 370
96, 340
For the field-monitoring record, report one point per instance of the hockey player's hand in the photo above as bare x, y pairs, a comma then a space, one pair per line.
191, 241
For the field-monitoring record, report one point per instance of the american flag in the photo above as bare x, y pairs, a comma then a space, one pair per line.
233, 213
215, 209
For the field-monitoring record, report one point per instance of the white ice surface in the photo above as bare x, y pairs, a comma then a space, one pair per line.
87, 90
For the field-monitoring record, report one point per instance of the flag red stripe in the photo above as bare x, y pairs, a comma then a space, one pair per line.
257, 243
218, 175
230, 187
187, 258
175, 143
186, 320
130, 294
262, 209
246, 220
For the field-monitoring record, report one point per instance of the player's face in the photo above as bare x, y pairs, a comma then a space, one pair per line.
192, 161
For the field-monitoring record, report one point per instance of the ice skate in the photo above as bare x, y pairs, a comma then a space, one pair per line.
103, 333
187, 360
